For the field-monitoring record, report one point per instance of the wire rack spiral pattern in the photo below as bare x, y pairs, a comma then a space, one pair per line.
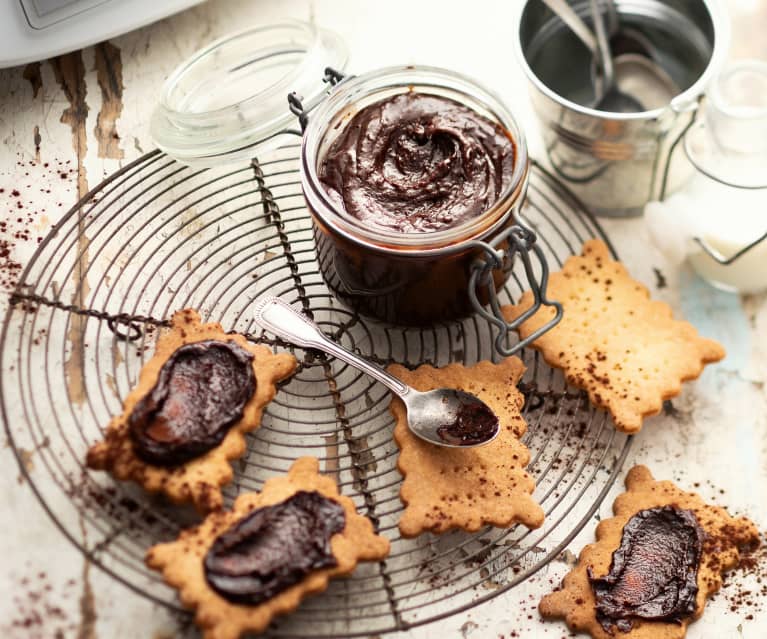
157, 237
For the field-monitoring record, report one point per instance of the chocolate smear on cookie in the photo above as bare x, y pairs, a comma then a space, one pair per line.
274, 547
200, 393
653, 574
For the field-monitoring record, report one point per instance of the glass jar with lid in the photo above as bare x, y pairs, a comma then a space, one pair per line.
406, 277
229, 103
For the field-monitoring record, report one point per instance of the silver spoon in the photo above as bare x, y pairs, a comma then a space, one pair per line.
636, 66
609, 96
617, 100
439, 416
639, 75
568, 15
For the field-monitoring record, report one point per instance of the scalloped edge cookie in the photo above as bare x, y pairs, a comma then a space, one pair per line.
626, 350
575, 602
446, 488
199, 480
181, 562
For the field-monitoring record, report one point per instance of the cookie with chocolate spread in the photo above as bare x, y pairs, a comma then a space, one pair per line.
186, 418
625, 349
445, 488
240, 568
653, 566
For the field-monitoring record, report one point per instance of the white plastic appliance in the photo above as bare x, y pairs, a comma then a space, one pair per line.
38, 29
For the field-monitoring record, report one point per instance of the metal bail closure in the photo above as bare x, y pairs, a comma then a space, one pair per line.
296, 102
516, 242
726, 261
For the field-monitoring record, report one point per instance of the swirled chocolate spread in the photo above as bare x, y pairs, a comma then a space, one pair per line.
200, 393
418, 163
274, 547
653, 575
474, 424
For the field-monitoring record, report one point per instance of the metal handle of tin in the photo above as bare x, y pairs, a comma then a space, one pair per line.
519, 242
676, 110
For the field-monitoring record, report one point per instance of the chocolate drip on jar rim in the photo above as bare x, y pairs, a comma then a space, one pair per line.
653, 574
200, 393
274, 547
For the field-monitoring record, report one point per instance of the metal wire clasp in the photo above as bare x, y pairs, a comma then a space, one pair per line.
295, 101
517, 241
721, 259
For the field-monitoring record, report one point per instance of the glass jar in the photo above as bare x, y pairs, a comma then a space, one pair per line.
719, 221
401, 277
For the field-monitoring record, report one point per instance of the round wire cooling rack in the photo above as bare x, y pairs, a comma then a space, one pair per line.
158, 236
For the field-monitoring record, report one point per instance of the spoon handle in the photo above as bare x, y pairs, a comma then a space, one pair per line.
603, 43
279, 317
568, 15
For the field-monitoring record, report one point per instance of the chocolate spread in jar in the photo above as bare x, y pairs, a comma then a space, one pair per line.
474, 424
654, 572
274, 547
200, 393
417, 163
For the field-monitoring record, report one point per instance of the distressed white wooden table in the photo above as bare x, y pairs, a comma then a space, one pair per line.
67, 123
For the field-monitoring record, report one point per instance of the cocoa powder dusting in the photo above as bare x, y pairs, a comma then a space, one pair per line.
745, 588
24, 211
39, 607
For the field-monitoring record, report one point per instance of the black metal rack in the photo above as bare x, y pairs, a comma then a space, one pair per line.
158, 236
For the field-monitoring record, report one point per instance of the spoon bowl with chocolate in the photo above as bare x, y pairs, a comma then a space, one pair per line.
444, 417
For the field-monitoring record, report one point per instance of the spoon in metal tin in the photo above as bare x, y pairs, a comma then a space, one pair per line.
568, 15
444, 417
609, 96
636, 68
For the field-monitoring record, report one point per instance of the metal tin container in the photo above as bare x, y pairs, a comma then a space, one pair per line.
617, 162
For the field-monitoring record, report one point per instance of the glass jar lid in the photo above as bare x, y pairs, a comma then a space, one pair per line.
228, 101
